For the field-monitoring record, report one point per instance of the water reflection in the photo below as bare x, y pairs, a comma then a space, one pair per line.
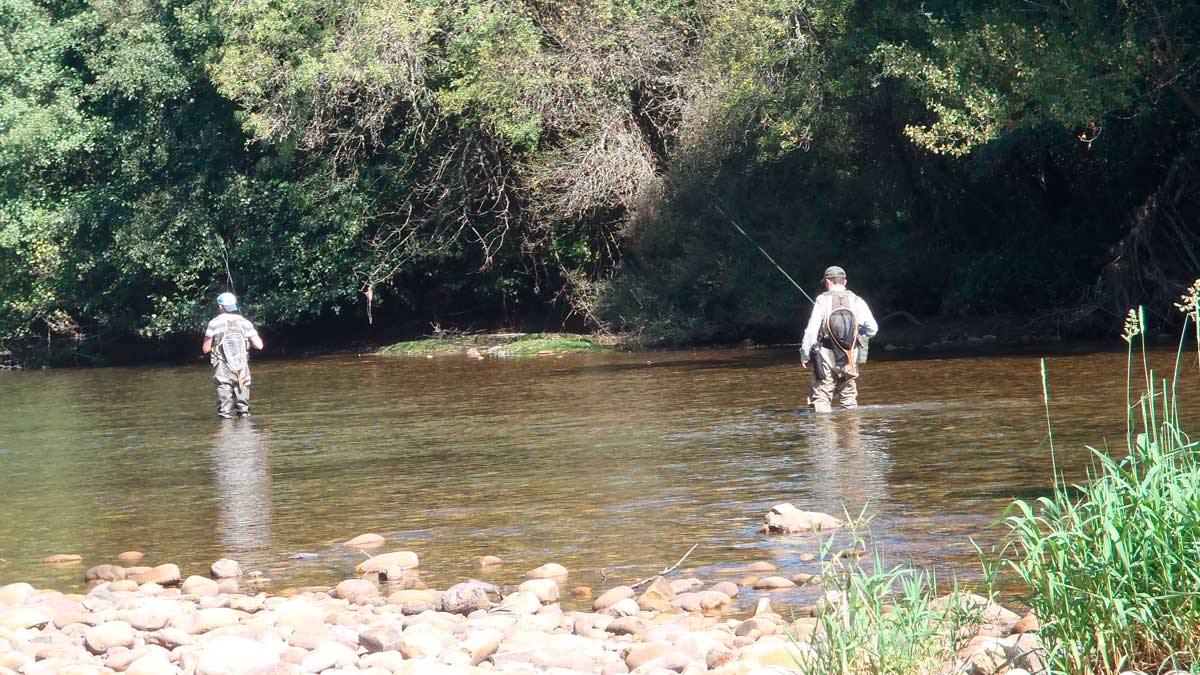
852, 465
595, 461
242, 479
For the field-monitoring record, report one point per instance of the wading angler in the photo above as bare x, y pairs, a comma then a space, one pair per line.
227, 341
839, 321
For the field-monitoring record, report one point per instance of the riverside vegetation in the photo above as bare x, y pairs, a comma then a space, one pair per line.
380, 165
1106, 570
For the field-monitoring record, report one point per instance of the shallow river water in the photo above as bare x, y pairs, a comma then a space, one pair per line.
612, 464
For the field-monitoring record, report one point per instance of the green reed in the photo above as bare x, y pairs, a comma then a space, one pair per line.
1113, 571
881, 620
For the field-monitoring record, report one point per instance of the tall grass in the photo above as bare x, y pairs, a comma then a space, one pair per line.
881, 620
1113, 572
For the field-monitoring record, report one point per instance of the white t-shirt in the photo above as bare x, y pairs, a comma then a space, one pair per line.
217, 326
821, 310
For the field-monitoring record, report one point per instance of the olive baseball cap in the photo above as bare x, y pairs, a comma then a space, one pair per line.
835, 272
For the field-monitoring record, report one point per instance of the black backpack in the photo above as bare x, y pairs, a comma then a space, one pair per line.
841, 328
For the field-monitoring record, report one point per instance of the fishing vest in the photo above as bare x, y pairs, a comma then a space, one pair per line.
839, 331
229, 345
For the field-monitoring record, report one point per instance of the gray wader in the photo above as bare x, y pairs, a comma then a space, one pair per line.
832, 381
232, 395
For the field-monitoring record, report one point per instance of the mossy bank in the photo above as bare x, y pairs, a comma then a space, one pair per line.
501, 345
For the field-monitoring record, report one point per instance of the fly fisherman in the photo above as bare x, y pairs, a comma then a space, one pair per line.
831, 343
225, 341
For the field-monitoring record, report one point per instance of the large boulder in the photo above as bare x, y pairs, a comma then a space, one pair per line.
200, 586
477, 645
383, 637
701, 601
225, 569
15, 594
229, 655
546, 590
465, 598
106, 636
657, 597
416, 601
163, 575
151, 614
517, 604
612, 596
21, 618
787, 519
358, 591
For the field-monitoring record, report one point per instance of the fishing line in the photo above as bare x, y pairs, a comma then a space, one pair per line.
225, 257
717, 206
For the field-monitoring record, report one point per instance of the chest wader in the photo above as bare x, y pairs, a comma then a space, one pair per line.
835, 361
231, 369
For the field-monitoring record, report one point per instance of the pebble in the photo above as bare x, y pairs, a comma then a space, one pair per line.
61, 558
486, 561
131, 555
666, 627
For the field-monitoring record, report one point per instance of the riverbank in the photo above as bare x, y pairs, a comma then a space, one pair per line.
900, 333
382, 619
504, 345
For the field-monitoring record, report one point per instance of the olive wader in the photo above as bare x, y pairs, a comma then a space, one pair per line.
231, 369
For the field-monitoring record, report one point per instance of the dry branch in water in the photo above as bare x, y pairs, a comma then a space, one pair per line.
666, 571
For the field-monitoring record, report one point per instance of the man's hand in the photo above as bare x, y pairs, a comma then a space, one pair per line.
804, 365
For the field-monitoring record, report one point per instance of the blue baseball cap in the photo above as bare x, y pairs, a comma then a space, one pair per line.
227, 301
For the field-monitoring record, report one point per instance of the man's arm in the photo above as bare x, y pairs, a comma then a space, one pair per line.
866, 321
252, 335
810, 332
207, 345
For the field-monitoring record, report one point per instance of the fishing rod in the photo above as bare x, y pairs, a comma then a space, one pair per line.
225, 257
717, 206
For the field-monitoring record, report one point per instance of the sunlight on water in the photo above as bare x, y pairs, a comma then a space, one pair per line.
611, 464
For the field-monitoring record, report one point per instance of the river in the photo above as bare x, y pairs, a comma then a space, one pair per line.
611, 464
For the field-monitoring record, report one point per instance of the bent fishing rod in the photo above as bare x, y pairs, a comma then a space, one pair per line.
716, 202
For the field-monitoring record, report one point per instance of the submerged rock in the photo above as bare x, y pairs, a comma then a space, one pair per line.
164, 575
368, 540
104, 573
547, 571
379, 563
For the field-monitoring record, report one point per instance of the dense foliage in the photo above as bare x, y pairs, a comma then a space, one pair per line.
493, 161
